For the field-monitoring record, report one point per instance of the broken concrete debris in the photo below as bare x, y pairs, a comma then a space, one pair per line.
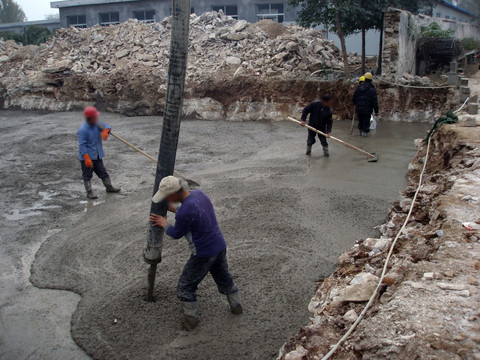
427, 304
215, 40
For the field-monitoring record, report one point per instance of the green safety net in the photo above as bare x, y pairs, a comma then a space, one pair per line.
448, 118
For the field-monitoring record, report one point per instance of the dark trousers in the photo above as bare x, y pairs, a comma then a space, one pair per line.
364, 122
195, 271
312, 135
98, 168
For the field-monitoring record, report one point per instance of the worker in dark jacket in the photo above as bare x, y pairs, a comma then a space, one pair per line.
196, 221
366, 102
321, 119
90, 151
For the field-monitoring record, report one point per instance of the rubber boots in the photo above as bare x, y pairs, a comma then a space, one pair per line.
235, 305
309, 150
108, 185
88, 188
190, 315
325, 151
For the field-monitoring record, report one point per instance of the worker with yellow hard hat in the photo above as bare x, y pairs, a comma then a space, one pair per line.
361, 79
366, 103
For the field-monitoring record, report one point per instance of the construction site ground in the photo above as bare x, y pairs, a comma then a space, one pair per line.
286, 218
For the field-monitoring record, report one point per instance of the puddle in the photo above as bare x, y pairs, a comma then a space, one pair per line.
36, 209
91, 204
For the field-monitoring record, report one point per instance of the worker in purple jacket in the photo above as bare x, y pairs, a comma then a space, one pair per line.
195, 219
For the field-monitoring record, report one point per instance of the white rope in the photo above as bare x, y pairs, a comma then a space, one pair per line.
372, 298
461, 107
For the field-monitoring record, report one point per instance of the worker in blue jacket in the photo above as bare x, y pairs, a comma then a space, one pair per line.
90, 151
195, 219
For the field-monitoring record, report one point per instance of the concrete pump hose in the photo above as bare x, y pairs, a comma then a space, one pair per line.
387, 260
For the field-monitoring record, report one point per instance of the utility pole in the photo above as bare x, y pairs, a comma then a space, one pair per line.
171, 128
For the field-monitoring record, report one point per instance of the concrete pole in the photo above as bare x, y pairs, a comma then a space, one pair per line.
171, 128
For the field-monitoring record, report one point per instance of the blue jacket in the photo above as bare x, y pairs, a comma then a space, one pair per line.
197, 217
90, 141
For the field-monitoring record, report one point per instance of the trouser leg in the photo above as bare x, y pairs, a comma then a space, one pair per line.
364, 122
99, 169
311, 137
193, 273
225, 283
87, 173
323, 141
221, 275
102, 173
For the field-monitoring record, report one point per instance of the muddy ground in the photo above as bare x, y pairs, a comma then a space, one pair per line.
286, 219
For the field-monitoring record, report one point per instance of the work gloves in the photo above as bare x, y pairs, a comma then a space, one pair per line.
105, 133
88, 161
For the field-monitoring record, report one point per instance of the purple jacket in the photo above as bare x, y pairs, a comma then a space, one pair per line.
197, 216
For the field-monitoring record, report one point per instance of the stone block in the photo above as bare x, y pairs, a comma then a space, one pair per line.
472, 108
463, 82
453, 79
453, 67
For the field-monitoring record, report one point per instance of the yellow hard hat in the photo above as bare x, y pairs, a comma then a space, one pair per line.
361, 79
368, 76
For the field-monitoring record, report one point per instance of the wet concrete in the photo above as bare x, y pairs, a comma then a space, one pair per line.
286, 218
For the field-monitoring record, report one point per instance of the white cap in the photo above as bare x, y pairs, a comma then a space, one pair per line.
168, 186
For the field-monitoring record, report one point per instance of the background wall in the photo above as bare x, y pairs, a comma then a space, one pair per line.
401, 33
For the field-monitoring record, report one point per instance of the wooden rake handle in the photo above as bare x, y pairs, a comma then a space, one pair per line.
176, 173
350, 146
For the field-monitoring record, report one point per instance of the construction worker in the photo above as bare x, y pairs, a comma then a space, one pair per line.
361, 80
366, 102
195, 219
90, 151
321, 119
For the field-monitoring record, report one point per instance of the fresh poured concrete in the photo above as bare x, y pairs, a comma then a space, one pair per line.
286, 218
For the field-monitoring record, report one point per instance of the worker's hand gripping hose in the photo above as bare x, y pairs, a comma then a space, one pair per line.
387, 260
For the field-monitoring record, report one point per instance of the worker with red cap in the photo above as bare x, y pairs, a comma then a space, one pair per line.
90, 151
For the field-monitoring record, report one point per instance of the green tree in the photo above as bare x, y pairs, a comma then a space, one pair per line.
11, 12
35, 35
32, 35
333, 15
347, 17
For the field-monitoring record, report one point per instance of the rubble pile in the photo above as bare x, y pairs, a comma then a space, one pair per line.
236, 71
428, 302
217, 43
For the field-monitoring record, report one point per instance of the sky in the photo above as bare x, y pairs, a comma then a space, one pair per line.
36, 9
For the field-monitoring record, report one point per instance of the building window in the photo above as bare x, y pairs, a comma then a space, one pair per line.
230, 10
107, 19
454, 18
271, 12
447, 17
147, 16
439, 14
78, 21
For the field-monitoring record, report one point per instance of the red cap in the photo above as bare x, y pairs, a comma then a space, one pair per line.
90, 112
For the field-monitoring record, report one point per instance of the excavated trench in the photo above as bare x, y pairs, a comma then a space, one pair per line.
286, 218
